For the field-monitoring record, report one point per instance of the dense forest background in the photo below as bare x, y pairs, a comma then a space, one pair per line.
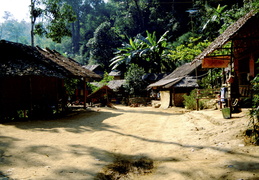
158, 35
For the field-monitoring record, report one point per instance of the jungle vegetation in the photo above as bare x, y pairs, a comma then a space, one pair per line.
156, 35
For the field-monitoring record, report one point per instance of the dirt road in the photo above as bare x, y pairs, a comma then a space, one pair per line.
182, 145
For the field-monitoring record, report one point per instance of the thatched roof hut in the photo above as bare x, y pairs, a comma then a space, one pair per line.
21, 60
246, 29
239, 57
69, 64
32, 79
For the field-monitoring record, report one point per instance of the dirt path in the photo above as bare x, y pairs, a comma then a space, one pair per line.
183, 145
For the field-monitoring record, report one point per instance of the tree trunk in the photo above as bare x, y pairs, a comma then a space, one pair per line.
141, 20
32, 22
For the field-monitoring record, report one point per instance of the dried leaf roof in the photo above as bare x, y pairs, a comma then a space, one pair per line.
227, 35
100, 92
69, 64
114, 84
22, 60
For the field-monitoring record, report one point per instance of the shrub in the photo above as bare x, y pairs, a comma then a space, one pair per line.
254, 112
190, 101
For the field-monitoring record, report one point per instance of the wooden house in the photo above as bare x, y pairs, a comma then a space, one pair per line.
236, 50
32, 79
181, 81
115, 91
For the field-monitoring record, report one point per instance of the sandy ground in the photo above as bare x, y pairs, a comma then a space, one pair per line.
183, 145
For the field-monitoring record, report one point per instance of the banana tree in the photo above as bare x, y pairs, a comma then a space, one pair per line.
147, 52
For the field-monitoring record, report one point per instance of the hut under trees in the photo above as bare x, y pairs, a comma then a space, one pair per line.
181, 81
32, 80
237, 51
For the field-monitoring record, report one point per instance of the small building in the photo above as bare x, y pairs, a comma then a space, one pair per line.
32, 80
181, 81
117, 75
114, 89
96, 68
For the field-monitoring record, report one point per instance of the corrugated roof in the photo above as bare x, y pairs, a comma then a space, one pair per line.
115, 73
154, 76
91, 67
187, 82
163, 82
225, 36
177, 75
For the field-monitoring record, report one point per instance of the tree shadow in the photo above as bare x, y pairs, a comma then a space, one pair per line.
102, 158
6, 143
189, 146
93, 121
79, 123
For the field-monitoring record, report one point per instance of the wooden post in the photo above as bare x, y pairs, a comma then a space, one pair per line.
197, 100
84, 93
197, 104
31, 103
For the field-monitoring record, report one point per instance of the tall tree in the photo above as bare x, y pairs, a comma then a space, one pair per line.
56, 17
35, 13
103, 44
75, 26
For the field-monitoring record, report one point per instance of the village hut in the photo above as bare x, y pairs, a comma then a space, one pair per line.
236, 50
181, 81
96, 68
32, 80
117, 75
115, 91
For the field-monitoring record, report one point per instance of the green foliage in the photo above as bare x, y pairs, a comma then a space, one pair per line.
149, 53
15, 31
104, 82
232, 14
187, 51
71, 85
214, 16
93, 87
134, 85
254, 112
212, 80
103, 44
106, 79
190, 101
83, 19
57, 15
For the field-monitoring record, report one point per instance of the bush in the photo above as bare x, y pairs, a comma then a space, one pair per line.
190, 101
254, 112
